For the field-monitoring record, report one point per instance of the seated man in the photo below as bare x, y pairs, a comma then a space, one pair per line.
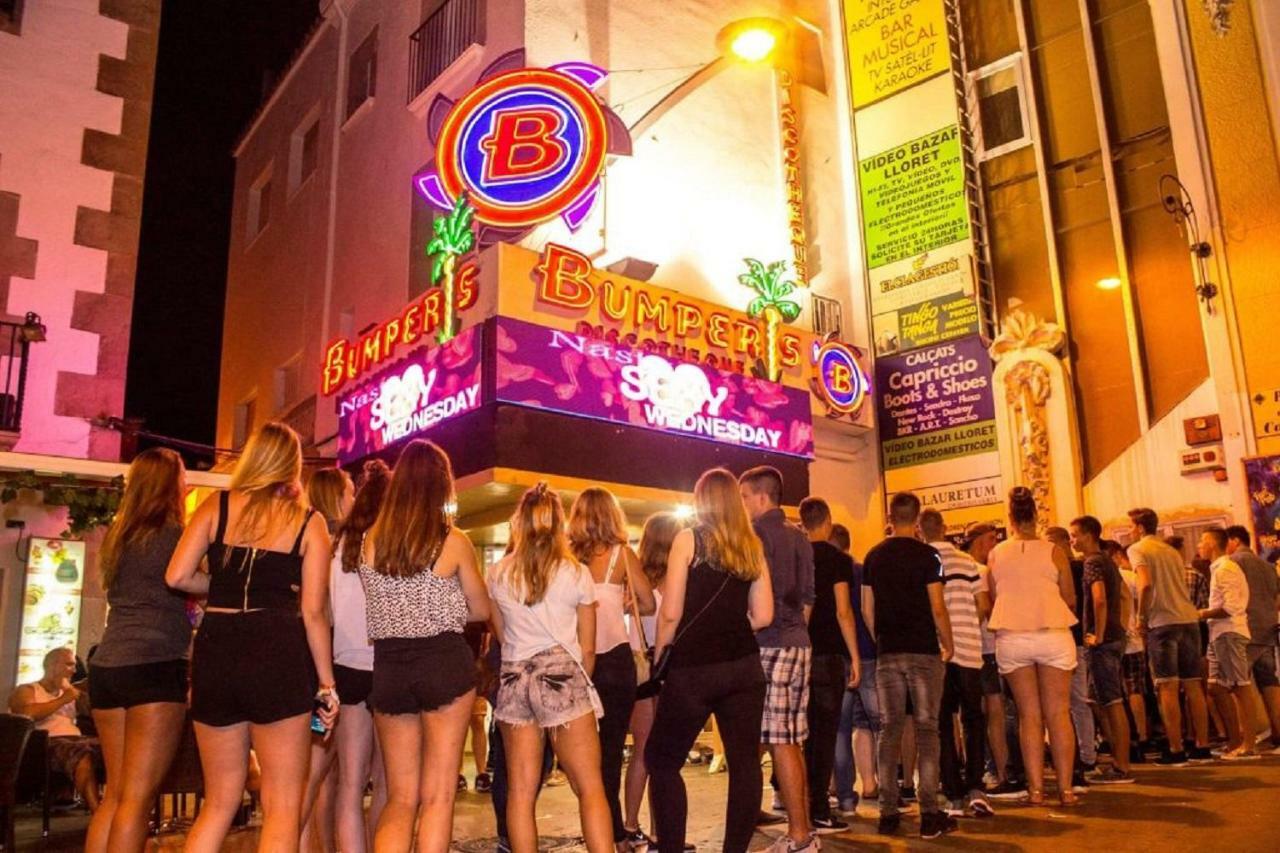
51, 702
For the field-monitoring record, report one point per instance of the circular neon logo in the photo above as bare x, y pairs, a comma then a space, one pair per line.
524, 146
844, 385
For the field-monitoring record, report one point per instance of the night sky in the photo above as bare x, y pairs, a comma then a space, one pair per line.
215, 60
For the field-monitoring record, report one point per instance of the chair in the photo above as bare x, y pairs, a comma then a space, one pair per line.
185, 776
34, 775
15, 730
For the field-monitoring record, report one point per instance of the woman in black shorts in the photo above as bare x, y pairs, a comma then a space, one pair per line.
264, 639
138, 677
422, 587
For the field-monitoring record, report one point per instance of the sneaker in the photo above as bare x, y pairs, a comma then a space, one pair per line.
1199, 755
908, 794
1172, 759
828, 825
889, 824
1240, 755
769, 819
936, 824
979, 805
1079, 784
777, 804
462, 782
1112, 776
636, 840
1275, 751
1136, 755
953, 808
847, 806
504, 846
484, 783
1008, 790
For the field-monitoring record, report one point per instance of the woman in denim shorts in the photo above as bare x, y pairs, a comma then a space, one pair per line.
544, 617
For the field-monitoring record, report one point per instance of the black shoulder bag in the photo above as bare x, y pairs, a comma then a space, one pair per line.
658, 674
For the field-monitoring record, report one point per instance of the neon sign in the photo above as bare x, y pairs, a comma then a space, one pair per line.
344, 360
771, 303
840, 381
796, 231
524, 147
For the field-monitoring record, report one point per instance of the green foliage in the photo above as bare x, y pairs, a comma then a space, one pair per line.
772, 291
89, 504
452, 236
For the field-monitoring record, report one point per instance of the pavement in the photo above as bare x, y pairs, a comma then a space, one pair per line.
1228, 807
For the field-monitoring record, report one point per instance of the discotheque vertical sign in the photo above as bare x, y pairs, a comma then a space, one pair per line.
934, 397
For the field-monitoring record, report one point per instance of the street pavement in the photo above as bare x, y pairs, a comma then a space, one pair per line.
1228, 807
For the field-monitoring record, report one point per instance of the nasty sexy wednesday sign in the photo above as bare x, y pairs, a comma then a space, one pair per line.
587, 377
935, 403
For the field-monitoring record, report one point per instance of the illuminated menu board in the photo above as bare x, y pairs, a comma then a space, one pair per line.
50, 603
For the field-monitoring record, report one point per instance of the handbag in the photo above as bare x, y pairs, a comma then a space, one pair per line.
653, 686
643, 656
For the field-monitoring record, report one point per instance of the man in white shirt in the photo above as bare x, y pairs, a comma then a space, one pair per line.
1228, 618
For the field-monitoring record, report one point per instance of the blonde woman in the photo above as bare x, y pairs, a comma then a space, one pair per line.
138, 677
545, 619
422, 586
716, 595
330, 493
262, 658
660, 531
598, 537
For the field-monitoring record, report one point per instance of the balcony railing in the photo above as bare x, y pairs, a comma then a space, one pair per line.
15, 344
441, 39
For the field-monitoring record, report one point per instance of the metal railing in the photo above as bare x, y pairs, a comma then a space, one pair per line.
442, 38
15, 344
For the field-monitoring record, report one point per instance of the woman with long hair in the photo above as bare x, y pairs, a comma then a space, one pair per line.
261, 662
544, 618
716, 595
330, 493
422, 586
659, 532
1031, 616
138, 677
598, 539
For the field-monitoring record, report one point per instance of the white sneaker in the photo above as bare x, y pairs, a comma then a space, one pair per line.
777, 805
954, 808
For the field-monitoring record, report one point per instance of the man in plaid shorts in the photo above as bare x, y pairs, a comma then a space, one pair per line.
784, 650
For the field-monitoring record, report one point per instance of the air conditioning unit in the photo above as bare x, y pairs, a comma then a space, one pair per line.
1208, 458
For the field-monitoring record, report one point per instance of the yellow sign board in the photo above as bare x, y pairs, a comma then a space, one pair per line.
893, 44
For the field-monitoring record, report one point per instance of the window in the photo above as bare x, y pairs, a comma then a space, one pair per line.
242, 425
11, 16
449, 28
362, 73
259, 206
304, 151
287, 384
1001, 107
826, 316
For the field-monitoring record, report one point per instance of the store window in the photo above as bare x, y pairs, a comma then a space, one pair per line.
362, 73
243, 423
304, 151
259, 205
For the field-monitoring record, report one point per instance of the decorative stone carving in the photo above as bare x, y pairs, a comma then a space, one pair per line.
1219, 12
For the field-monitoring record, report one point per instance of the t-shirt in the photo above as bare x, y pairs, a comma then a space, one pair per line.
1264, 583
551, 622
1099, 567
988, 638
899, 571
866, 643
147, 622
961, 584
1077, 578
1229, 591
1170, 604
790, 561
1136, 644
830, 567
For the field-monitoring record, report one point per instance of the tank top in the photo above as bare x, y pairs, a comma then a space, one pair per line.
611, 627
645, 634
414, 607
242, 577
1026, 584
715, 627
351, 646
62, 722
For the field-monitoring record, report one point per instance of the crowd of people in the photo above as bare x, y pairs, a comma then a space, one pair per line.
350, 642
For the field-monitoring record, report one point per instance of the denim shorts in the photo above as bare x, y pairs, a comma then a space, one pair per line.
1229, 660
1262, 660
548, 690
1134, 666
1173, 652
1106, 672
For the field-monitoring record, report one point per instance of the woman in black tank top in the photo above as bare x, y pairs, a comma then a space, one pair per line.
717, 595
262, 657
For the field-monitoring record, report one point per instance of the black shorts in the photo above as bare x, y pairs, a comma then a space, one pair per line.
412, 676
137, 684
990, 676
252, 667
353, 685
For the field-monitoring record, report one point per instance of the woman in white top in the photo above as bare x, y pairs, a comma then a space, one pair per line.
598, 537
1031, 616
655, 545
544, 617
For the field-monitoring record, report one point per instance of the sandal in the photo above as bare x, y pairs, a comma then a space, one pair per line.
1068, 799
1034, 797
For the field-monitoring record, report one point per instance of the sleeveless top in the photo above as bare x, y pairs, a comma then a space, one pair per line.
147, 621
351, 646
645, 634
1026, 582
242, 577
722, 632
62, 722
611, 627
414, 607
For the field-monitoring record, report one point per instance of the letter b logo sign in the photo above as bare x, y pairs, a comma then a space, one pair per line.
524, 144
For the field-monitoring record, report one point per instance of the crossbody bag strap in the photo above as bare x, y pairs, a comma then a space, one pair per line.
629, 592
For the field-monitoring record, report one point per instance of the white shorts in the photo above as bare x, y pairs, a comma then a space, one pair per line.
1017, 649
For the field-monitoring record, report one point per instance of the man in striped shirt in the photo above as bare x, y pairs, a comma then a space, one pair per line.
968, 603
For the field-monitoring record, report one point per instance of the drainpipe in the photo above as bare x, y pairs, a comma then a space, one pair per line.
340, 10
